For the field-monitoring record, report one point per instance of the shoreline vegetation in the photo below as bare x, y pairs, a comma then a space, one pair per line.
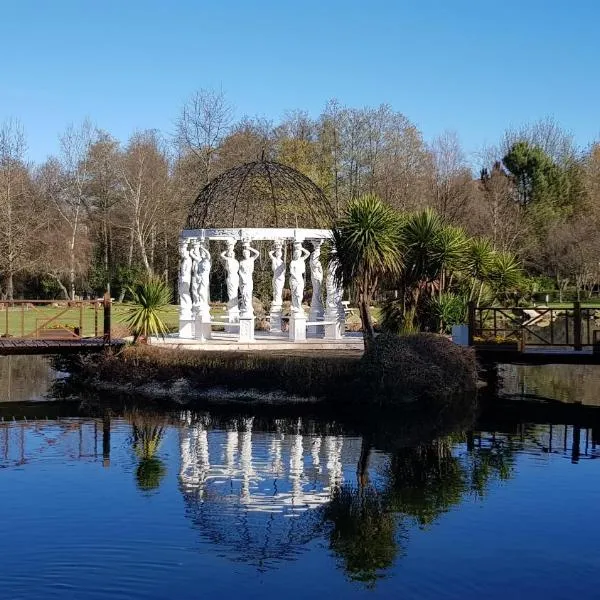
395, 371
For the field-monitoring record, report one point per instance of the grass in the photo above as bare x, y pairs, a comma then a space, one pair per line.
308, 374
23, 320
398, 370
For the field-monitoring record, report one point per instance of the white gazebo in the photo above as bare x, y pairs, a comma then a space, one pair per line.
255, 203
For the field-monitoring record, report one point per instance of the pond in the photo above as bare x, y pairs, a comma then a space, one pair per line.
273, 503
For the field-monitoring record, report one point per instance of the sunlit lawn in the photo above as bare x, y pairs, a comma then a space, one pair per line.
25, 320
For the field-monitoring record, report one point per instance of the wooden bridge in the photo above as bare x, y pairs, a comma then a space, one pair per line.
55, 327
537, 335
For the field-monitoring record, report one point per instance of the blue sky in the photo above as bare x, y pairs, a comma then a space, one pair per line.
469, 66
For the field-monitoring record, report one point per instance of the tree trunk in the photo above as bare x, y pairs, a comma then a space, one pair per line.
60, 284
365, 317
362, 468
9, 285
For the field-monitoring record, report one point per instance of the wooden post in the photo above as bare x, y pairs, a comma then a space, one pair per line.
106, 440
107, 306
577, 345
471, 321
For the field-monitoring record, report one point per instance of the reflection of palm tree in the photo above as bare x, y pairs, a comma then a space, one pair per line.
363, 532
147, 433
425, 481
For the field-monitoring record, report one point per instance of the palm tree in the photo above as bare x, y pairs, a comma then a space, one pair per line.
151, 297
505, 274
433, 253
366, 248
480, 261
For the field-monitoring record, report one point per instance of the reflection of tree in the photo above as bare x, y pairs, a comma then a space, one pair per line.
421, 483
147, 434
363, 532
488, 463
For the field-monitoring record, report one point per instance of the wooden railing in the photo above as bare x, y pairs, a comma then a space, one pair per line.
56, 319
575, 326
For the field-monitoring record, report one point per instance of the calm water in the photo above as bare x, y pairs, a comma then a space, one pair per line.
130, 504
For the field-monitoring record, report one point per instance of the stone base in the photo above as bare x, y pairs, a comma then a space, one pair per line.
315, 330
202, 328
233, 316
334, 330
246, 329
275, 321
298, 328
186, 328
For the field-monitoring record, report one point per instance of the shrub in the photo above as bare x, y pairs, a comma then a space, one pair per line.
400, 369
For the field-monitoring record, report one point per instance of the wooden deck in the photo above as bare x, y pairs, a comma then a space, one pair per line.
36, 346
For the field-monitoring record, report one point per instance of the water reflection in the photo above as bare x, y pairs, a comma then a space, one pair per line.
147, 433
565, 383
261, 489
250, 486
25, 378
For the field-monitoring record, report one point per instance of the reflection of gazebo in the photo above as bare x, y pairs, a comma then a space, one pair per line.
256, 493
259, 201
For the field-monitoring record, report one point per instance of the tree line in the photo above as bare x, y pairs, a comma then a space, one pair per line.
100, 213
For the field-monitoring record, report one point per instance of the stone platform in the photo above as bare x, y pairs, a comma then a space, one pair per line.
263, 341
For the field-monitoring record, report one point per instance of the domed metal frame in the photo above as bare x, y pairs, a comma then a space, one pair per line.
261, 194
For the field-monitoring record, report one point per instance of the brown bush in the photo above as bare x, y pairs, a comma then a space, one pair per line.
400, 369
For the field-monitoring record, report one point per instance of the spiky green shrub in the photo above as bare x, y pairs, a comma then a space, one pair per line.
366, 248
446, 310
151, 297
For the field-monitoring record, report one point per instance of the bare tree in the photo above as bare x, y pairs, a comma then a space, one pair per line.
204, 121
144, 172
452, 183
104, 194
19, 222
65, 184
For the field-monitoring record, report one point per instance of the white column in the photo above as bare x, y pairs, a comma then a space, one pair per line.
201, 290
316, 278
297, 270
232, 267
334, 309
249, 255
278, 267
186, 322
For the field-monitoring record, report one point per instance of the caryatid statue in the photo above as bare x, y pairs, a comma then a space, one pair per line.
201, 277
333, 295
297, 271
185, 279
316, 278
246, 278
278, 267
232, 267
331, 288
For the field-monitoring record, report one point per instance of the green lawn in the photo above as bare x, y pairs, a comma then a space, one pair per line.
25, 320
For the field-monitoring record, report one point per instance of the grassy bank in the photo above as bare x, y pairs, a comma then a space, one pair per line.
395, 371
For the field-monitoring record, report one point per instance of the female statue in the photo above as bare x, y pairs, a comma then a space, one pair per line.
246, 282
232, 267
201, 276
297, 271
278, 267
316, 278
185, 276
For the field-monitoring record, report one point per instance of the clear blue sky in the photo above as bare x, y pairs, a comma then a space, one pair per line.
471, 66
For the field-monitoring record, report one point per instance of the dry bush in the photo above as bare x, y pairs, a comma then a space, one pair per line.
400, 369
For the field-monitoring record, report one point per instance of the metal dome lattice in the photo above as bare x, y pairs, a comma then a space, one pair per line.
260, 194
